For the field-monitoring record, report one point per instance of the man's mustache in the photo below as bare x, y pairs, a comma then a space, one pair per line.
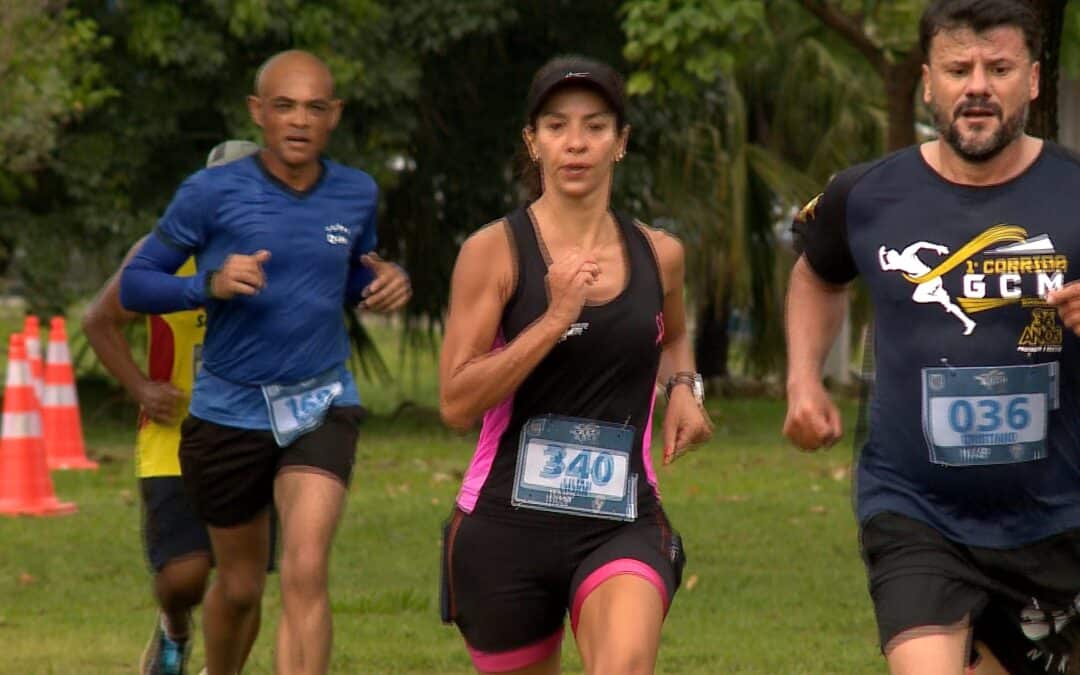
980, 104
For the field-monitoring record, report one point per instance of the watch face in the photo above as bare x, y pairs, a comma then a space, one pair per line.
696, 384
699, 389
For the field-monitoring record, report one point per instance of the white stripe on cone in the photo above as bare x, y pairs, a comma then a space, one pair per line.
33, 351
18, 374
59, 395
22, 425
58, 352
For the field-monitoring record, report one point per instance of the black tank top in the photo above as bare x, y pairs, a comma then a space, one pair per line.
603, 369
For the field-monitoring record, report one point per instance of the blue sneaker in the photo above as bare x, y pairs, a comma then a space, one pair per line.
163, 655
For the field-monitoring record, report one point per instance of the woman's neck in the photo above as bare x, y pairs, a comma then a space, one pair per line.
583, 222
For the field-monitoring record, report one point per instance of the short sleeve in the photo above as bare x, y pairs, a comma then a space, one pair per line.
820, 232
187, 219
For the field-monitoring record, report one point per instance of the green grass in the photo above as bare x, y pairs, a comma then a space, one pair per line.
773, 582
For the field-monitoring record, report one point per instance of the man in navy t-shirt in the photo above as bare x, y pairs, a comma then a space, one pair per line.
968, 485
282, 240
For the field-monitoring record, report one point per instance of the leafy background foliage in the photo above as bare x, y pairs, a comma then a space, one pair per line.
741, 110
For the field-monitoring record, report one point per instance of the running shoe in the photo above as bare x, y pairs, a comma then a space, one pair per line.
163, 655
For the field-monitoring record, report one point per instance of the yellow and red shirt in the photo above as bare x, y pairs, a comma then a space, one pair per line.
174, 355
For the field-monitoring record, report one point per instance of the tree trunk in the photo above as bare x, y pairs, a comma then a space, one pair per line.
1043, 120
711, 338
901, 79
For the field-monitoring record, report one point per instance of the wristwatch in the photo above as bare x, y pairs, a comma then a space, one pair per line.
692, 380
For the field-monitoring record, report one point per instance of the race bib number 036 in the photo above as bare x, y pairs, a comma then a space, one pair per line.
979, 416
577, 466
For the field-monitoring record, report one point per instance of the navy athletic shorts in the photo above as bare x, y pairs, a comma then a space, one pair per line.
171, 530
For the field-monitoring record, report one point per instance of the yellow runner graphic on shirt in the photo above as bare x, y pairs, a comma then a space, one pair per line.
994, 235
1001, 267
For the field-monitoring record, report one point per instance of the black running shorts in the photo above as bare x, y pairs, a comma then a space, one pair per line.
1022, 602
229, 472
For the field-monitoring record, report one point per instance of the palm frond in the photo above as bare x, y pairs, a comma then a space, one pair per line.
364, 356
790, 186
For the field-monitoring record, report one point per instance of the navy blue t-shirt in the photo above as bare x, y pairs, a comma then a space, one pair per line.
293, 329
957, 276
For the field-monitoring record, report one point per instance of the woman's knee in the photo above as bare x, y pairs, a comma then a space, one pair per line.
623, 658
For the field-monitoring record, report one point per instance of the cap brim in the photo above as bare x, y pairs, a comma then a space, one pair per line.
548, 89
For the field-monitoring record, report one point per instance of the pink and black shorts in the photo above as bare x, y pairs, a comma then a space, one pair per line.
508, 584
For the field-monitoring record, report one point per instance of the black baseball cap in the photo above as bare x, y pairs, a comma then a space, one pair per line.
578, 71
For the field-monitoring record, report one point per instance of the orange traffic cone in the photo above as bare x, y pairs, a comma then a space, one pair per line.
32, 337
60, 405
25, 484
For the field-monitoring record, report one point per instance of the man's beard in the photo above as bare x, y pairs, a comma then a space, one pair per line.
975, 151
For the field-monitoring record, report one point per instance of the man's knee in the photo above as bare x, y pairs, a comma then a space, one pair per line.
304, 570
930, 650
181, 584
240, 590
180, 598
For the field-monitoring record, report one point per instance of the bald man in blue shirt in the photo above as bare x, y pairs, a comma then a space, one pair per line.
283, 240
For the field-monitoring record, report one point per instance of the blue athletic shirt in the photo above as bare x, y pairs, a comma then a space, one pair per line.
957, 276
293, 329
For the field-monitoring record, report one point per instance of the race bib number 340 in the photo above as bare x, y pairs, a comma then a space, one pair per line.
979, 416
577, 466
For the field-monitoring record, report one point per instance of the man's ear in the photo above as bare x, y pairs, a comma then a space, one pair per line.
254, 106
336, 107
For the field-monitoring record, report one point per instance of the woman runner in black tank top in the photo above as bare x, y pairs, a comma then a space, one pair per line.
562, 317
611, 349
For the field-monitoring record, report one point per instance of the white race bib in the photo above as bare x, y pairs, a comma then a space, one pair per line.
979, 416
296, 409
577, 466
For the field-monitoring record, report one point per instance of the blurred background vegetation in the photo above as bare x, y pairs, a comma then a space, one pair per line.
742, 109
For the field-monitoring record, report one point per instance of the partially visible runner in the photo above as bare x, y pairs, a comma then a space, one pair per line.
174, 540
561, 316
968, 484
283, 241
